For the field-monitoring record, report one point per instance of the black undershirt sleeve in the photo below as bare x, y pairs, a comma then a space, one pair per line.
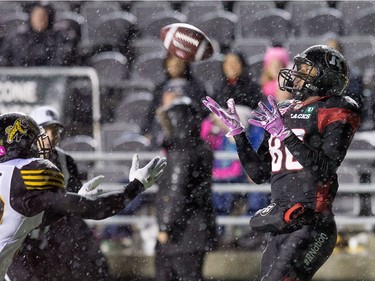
256, 164
67, 203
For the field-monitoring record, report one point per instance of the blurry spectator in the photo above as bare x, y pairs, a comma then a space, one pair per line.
275, 58
37, 43
67, 248
237, 83
178, 75
184, 208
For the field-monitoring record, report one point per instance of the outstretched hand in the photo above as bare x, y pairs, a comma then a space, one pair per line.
149, 173
230, 117
93, 190
270, 120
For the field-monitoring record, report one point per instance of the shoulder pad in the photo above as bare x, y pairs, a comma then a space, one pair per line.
42, 174
343, 102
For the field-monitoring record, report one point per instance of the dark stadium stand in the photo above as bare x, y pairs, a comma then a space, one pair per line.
247, 26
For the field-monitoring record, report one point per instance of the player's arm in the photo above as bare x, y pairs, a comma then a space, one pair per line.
67, 203
41, 188
256, 164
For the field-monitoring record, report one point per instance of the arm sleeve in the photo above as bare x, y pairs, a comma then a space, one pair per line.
256, 164
67, 203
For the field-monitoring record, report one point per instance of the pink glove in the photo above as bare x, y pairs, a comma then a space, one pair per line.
270, 120
230, 118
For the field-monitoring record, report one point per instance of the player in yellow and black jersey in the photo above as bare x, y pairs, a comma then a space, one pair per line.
31, 186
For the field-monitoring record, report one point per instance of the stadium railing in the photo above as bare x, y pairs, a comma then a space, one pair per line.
356, 189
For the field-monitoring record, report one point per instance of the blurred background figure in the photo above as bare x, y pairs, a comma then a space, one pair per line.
37, 43
67, 248
178, 75
237, 82
184, 210
275, 58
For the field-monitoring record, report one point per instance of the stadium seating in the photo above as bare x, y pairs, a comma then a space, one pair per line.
298, 11
195, 10
364, 23
132, 108
92, 12
350, 11
152, 25
321, 21
112, 67
114, 29
81, 143
270, 23
220, 26
11, 21
251, 46
210, 70
247, 12
150, 67
143, 46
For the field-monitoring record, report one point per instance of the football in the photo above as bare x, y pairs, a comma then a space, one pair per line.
186, 42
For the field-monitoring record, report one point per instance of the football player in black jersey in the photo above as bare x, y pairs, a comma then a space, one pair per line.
307, 138
32, 186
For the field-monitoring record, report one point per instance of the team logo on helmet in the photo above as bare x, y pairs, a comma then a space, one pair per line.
17, 131
334, 61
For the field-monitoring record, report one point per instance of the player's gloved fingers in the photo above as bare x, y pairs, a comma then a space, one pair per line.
265, 109
157, 175
272, 102
153, 163
259, 115
231, 106
214, 110
213, 102
161, 164
93, 183
135, 162
256, 122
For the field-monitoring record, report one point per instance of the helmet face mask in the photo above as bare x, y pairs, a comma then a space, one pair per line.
324, 72
21, 137
43, 151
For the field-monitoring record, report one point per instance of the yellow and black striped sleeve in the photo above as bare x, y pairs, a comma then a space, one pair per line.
42, 176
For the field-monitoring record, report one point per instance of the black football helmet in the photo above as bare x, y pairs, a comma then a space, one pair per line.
21, 137
332, 77
183, 119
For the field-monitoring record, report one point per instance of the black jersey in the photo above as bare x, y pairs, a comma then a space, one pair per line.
303, 167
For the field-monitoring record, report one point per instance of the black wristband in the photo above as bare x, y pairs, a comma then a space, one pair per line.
133, 189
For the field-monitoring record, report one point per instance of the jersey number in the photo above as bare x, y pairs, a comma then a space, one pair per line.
281, 156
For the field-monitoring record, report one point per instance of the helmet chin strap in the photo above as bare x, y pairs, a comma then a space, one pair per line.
302, 94
306, 91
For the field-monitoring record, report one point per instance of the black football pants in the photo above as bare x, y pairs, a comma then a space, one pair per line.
298, 255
